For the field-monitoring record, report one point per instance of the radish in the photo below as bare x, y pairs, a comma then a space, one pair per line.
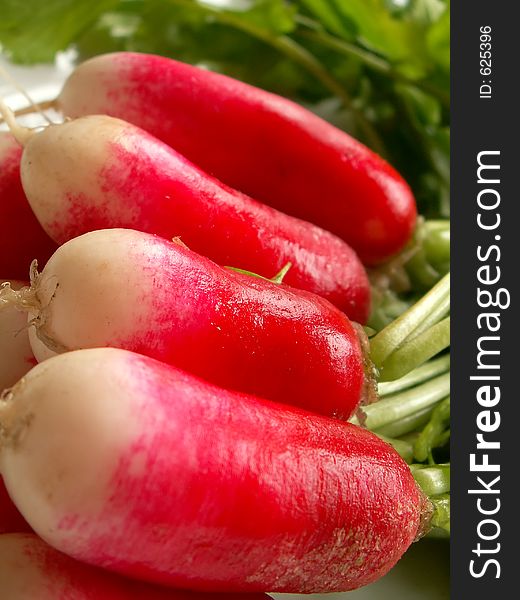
98, 172
22, 238
32, 570
137, 291
16, 357
126, 463
257, 142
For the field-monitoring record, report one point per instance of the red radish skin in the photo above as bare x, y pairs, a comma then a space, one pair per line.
11, 521
257, 142
16, 356
126, 463
32, 570
137, 291
22, 238
99, 172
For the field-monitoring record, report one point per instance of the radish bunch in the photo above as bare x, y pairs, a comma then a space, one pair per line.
99, 172
186, 424
268, 147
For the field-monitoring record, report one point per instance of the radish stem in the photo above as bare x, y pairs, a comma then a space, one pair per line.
398, 406
441, 311
392, 336
437, 241
440, 521
278, 278
417, 351
430, 369
21, 134
431, 435
407, 424
435, 483
433, 480
39, 107
35, 106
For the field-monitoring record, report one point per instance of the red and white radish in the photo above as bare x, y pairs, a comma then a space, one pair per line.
127, 463
32, 570
22, 238
99, 172
137, 291
265, 145
16, 356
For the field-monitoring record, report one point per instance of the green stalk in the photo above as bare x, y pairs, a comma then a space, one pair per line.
407, 424
433, 480
441, 311
405, 449
433, 434
278, 278
435, 483
394, 335
437, 241
441, 516
416, 351
396, 407
434, 367
432, 257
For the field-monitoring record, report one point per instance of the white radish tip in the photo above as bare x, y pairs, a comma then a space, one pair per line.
21, 134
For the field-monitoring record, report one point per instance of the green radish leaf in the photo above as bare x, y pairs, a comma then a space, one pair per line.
331, 17
374, 25
275, 16
33, 31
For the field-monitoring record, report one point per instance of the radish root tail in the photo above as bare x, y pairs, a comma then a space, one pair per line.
34, 106
26, 300
21, 134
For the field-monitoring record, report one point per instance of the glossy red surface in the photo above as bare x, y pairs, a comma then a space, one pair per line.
220, 491
37, 571
237, 331
260, 143
144, 184
22, 238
